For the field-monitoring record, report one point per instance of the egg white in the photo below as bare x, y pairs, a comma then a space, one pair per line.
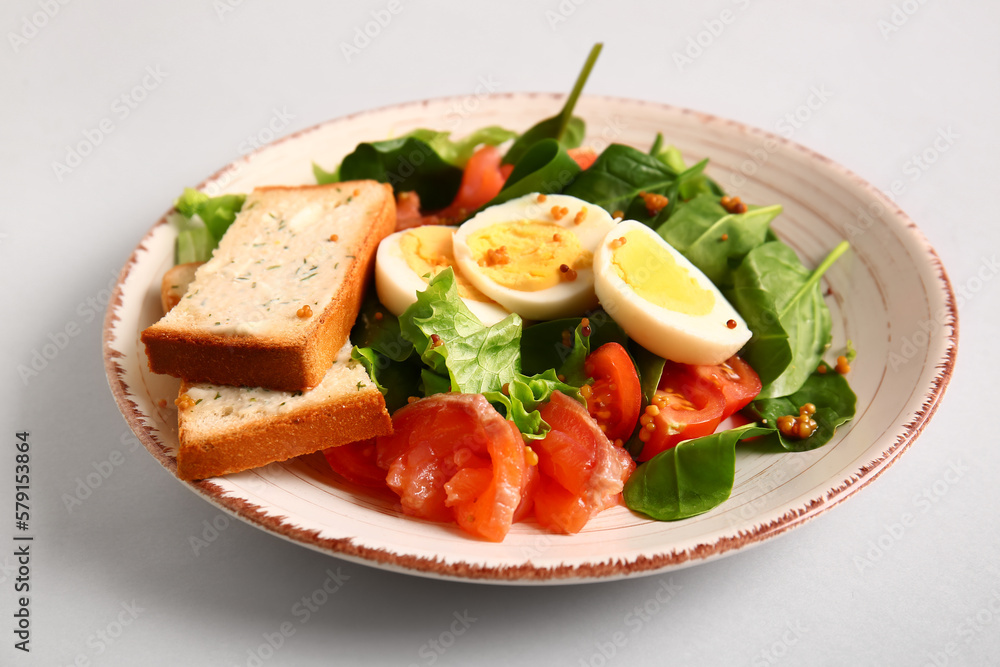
688, 339
565, 299
397, 284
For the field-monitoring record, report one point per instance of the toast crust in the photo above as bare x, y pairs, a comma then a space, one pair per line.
280, 438
287, 363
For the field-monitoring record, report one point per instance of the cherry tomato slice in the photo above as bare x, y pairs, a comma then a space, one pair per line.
737, 380
686, 405
615, 398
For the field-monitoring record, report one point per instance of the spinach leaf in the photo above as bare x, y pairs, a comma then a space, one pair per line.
691, 181
378, 329
453, 343
657, 148
408, 164
396, 380
454, 152
777, 295
565, 128
697, 228
769, 350
617, 177
689, 479
572, 366
649, 367
433, 383
542, 344
545, 168
458, 152
525, 395
835, 404
668, 155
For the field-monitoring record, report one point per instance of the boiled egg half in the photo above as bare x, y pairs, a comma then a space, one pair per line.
534, 255
407, 260
662, 300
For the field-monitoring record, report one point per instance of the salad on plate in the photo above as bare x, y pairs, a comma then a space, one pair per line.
557, 330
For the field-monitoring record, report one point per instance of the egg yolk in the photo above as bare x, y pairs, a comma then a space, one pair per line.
428, 251
654, 274
526, 255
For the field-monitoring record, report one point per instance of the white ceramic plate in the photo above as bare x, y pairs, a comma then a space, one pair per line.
890, 295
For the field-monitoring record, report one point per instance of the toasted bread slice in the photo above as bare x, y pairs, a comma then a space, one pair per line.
227, 429
277, 300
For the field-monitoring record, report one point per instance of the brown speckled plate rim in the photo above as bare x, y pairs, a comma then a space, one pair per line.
527, 573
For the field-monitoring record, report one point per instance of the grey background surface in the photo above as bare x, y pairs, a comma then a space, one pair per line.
854, 587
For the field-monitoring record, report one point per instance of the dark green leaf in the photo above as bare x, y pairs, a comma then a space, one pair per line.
656, 149
377, 328
649, 366
433, 383
572, 367
545, 168
396, 380
692, 478
835, 404
408, 164
564, 128
769, 352
617, 177
771, 287
542, 344
697, 228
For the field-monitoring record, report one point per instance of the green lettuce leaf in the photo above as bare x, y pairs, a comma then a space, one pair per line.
525, 395
324, 177
452, 342
195, 242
